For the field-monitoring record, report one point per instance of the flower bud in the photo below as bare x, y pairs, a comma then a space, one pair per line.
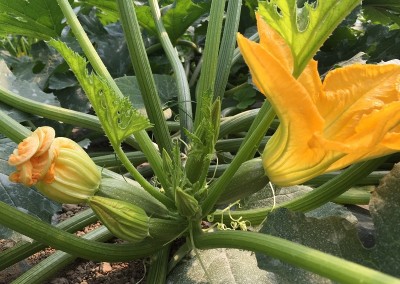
125, 220
58, 167
186, 204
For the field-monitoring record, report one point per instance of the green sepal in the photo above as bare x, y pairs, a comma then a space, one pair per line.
125, 220
187, 205
134, 194
116, 114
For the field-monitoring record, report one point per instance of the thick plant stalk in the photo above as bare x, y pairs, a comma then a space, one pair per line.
227, 48
38, 230
326, 265
159, 266
210, 58
319, 196
143, 73
250, 146
23, 250
183, 91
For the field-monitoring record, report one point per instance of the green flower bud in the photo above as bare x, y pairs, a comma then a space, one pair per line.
186, 204
125, 220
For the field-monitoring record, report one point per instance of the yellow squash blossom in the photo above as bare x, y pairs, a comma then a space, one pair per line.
354, 115
58, 167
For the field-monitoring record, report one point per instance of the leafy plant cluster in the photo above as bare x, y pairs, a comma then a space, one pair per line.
51, 73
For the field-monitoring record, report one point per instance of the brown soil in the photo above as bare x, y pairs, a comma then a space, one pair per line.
81, 271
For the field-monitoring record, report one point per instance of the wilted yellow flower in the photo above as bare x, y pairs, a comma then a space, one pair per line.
354, 115
58, 167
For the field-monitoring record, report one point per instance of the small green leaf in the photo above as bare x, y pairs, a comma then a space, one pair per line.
41, 19
305, 29
117, 116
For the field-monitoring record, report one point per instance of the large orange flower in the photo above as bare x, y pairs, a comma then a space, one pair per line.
354, 115
58, 167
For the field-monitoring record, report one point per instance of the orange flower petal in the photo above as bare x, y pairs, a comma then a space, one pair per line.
276, 45
26, 149
46, 136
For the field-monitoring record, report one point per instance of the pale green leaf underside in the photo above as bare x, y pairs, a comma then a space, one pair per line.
305, 29
36, 18
117, 116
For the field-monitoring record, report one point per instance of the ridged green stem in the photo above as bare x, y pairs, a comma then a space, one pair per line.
183, 91
237, 123
42, 271
250, 146
23, 250
49, 111
110, 160
38, 230
324, 264
8, 127
334, 187
86, 44
159, 266
227, 48
60, 114
143, 73
360, 196
319, 196
141, 180
208, 73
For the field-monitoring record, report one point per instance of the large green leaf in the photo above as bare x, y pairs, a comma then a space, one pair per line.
23, 88
116, 114
332, 229
25, 198
228, 266
384, 12
36, 18
305, 29
179, 17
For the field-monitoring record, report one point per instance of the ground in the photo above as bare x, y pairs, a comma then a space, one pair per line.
80, 271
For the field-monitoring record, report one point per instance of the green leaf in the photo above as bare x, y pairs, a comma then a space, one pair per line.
165, 85
22, 88
228, 266
117, 116
384, 12
385, 211
41, 19
177, 19
371, 242
305, 29
25, 198
108, 10
331, 229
